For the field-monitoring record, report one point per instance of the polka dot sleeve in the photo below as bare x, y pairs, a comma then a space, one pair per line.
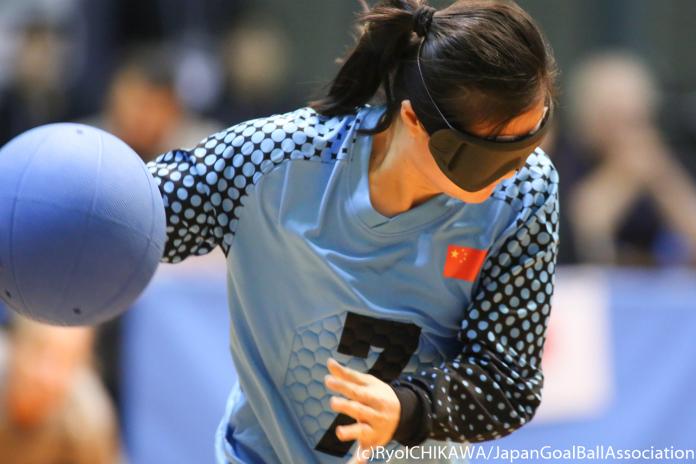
191, 220
204, 188
493, 386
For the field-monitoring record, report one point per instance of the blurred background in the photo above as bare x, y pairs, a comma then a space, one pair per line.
162, 74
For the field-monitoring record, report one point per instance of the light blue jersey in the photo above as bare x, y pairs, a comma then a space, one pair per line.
314, 271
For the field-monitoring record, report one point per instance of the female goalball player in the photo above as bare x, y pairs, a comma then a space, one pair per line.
390, 266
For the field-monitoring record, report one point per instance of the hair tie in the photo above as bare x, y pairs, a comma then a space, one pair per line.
423, 18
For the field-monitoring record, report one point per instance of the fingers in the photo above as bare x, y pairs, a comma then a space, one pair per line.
350, 383
357, 411
368, 401
347, 389
350, 390
358, 431
346, 373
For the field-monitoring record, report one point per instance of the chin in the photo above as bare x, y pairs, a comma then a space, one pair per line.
473, 197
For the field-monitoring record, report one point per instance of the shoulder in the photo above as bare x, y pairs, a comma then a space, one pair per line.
299, 134
533, 188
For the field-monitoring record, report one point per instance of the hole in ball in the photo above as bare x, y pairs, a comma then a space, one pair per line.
9, 295
77, 310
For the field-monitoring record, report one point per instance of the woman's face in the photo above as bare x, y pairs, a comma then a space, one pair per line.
425, 163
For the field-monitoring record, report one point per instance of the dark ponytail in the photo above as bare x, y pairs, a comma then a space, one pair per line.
483, 61
387, 36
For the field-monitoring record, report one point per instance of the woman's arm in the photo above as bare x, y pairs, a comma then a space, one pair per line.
194, 185
187, 202
493, 386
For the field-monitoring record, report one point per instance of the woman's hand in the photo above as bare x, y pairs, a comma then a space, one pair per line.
368, 400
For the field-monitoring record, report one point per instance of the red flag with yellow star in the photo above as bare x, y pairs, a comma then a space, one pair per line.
463, 263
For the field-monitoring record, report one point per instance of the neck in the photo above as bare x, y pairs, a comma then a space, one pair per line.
396, 186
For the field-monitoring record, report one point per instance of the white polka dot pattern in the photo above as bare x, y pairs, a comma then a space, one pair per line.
494, 385
204, 189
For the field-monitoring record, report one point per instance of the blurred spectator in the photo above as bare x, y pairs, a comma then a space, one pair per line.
627, 200
109, 27
54, 410
36, 93
255, 57
144, 110
16, 15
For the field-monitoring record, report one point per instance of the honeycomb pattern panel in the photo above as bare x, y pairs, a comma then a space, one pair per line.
316, 342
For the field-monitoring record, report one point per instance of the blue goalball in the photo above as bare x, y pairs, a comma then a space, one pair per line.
82, 225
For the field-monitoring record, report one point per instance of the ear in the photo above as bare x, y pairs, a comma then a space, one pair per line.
411, 122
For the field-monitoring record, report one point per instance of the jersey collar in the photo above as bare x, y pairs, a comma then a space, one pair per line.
359, 195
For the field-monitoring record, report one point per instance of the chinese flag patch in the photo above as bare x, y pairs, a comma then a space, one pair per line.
463, 263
